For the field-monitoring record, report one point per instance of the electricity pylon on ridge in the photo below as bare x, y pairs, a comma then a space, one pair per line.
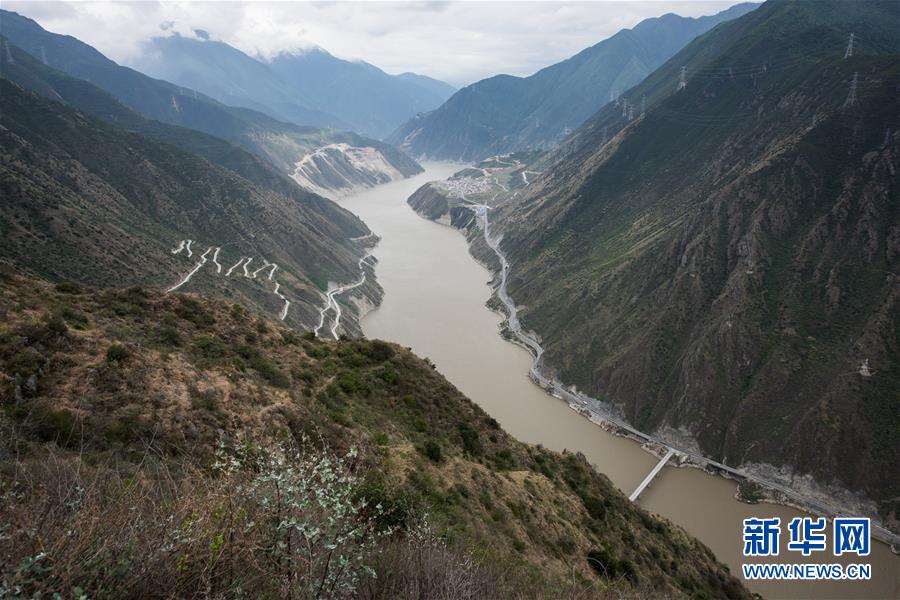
682, 79
631, 112
8, 54
849, 52
643, 106
624, 107
851, 97
605, 127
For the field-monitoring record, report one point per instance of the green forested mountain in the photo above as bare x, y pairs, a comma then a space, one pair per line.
723, 268
505, 113
282, 144
93, 203
362, 96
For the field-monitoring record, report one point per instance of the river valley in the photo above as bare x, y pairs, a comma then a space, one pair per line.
434, 303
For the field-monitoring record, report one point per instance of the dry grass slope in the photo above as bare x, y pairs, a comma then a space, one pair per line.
177, 446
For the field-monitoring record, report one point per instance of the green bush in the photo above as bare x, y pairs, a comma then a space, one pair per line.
432, 451
379, 351
191, 310
265, 367
211, 348
608, 566
470, 440
117, 353
169, 335
59, 426
68, 287
56, 326
77, 318
389, 376
351, 383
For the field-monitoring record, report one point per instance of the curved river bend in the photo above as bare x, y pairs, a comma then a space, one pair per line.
434, 303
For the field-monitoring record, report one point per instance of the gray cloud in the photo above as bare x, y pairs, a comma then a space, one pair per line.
459, 42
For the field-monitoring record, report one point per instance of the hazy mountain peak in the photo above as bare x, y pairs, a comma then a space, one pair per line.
505, 113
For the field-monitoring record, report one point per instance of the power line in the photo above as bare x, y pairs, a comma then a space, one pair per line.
9, 57
851, 97
849, 52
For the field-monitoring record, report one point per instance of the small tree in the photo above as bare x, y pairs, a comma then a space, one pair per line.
320, 542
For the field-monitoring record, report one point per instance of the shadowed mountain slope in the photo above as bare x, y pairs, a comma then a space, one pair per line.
93, 203
505, 113
723, 270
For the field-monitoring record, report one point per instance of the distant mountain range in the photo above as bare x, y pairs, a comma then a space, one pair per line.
505, 113
722, 268
283, 144
308, 88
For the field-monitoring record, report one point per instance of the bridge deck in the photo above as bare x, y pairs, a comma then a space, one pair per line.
640, 489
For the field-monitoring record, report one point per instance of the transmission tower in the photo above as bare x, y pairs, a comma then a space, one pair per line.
682, 79
851, 97
43, 55
605, 127
631, 112
7, 54
624, 107
643, 106
617, 97
849, 51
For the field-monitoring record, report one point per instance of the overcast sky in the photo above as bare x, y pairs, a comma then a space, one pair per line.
459, 42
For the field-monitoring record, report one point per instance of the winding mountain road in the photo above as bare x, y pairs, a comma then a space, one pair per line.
332, 303
243, 261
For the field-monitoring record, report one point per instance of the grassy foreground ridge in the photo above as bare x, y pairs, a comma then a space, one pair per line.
175, 445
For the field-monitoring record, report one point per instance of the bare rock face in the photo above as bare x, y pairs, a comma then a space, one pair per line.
725, 265
341, 167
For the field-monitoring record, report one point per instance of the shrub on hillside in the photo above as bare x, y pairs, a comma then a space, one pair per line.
276, 522
117, 353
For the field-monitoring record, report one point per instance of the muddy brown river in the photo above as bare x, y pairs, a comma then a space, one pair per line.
434, 303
